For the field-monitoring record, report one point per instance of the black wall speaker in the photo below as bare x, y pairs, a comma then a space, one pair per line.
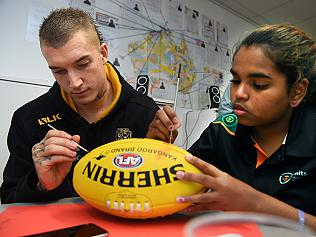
215, 97
142, 84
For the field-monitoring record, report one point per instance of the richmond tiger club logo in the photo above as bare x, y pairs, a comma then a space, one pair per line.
288, 176
123, 133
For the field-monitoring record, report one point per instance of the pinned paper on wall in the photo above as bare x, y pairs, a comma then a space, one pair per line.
208, 29
222, 34
86, 5
38, 11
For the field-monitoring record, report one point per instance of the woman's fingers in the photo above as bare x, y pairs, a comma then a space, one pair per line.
205, 167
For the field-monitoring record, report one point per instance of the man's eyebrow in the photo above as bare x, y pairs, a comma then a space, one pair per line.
83, 58
77, 61
253, 74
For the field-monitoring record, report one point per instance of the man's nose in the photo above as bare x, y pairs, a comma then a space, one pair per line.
75, 79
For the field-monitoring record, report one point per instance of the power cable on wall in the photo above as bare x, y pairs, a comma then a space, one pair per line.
24, 82
185, 143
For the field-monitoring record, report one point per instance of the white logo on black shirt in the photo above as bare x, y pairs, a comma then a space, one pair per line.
288, 176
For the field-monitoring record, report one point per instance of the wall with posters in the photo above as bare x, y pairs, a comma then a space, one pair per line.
145, 38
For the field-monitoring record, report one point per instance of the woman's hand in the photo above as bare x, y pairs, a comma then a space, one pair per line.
225, 192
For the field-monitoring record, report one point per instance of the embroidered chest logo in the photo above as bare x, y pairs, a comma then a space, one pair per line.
229, 122
288, 176
49, 119
123, 133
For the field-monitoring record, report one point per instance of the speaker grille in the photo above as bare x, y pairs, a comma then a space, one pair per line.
142, 84
215, 97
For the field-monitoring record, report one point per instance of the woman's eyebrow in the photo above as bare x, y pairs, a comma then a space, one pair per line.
253, 74
259, 75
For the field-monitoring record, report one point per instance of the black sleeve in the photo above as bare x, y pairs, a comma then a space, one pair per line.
205, 147
19, 176
142, 110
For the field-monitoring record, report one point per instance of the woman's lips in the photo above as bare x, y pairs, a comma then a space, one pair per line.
239, 110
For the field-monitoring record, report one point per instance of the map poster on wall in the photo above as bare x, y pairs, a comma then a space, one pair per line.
153, 38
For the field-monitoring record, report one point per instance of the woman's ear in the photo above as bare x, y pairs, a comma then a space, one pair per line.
104, 53
298, 92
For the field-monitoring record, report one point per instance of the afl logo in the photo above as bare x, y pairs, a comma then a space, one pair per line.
128, 161
285, 177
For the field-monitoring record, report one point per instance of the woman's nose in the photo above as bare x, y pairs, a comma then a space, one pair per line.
241, 92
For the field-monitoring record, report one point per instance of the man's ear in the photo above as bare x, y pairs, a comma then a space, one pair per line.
298, 92
104, 52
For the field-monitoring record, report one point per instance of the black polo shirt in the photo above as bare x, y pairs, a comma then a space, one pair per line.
288, 174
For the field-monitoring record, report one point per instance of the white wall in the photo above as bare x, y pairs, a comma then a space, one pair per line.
13, 95
21, 60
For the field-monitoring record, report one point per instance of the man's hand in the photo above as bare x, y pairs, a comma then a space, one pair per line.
53, 157
164, 123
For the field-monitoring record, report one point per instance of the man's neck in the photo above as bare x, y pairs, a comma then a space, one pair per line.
93, 111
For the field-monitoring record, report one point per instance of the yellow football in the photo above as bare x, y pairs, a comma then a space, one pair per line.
135, 178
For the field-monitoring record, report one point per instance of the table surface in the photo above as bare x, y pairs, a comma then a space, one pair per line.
30, 218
